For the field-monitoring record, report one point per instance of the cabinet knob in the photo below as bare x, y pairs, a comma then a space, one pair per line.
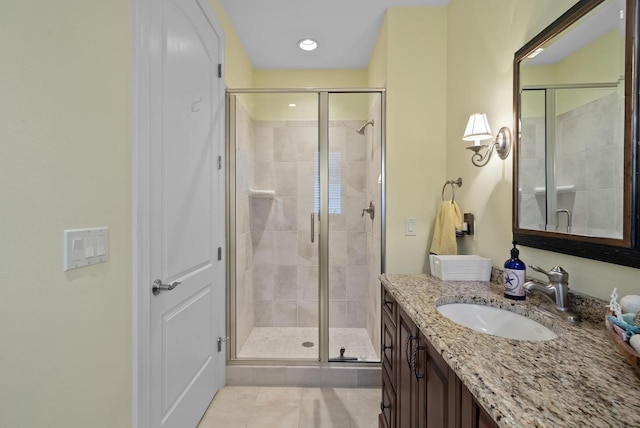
384, 406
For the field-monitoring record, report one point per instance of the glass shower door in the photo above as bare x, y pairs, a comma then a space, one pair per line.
276, 252
305, 225
354, 201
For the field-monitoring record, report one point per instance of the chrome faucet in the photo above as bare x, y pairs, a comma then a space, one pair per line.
557, 292
371, 210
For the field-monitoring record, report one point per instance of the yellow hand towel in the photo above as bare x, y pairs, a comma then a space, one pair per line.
444, 233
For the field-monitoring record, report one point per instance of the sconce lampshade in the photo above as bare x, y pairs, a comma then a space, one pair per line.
477, 128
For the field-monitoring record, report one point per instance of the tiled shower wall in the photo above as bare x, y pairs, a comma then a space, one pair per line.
276, 263
589, 158
285, 259
244, 251
283, 254
347, 230
532, 173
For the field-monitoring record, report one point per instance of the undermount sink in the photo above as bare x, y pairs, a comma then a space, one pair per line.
496, 321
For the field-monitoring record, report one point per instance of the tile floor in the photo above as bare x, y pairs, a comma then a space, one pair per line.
275, 407
286, 342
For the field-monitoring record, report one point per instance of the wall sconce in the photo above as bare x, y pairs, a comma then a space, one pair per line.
478, 130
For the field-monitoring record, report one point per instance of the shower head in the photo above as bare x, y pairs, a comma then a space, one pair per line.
361, 129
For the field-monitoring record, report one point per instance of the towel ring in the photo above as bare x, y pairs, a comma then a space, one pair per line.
453, 192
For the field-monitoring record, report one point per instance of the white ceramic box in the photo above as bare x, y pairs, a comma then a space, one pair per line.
460, 268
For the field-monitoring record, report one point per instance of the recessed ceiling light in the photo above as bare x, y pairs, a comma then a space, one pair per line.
292, 105
307, 44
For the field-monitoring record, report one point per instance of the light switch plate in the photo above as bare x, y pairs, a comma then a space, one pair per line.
409, 227
84, 247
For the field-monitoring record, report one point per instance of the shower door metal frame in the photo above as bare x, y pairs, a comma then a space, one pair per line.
323, 243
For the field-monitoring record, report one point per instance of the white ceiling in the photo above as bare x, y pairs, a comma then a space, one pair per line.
346, 30
607, 16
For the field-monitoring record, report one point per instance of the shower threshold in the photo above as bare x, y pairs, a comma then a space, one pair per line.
302, 343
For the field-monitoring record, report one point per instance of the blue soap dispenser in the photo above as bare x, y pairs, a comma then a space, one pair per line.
514, 276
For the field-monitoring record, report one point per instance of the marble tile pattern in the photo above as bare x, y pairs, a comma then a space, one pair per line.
373, 169
245, 158
576, 380
285, 273
591, 134
286, 342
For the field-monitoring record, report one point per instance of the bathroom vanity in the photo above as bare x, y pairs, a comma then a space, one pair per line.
419, 389
437, 373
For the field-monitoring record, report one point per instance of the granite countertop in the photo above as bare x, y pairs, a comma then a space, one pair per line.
576, 380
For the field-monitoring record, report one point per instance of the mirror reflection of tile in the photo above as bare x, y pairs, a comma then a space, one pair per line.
589, 157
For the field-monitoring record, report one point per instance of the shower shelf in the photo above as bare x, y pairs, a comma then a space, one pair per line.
268, 194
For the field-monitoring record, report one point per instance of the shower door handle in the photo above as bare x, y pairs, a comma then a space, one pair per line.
313, 226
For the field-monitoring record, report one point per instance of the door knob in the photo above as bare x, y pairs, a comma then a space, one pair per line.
158, 286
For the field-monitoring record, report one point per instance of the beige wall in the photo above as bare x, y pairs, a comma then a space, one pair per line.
479, 65
326, 78
415, 74
580, 67
479, 68
238, 71
377, 68
275, 106
65, 127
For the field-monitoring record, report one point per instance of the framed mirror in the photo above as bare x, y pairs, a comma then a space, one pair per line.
575, 169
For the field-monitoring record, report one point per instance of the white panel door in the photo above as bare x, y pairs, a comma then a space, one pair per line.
186, 201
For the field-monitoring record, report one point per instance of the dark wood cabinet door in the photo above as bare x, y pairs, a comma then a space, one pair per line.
467, 407
389, 305
387, 416
437, 398
437, 389
389, 353
388, 349
420, 379
484, 420
419, 389
472, 415
405, 385
382, 423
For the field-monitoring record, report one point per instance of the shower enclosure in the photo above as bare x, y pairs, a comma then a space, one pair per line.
305, 224
572, 157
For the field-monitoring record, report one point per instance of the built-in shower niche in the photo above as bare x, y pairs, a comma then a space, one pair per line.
277, 229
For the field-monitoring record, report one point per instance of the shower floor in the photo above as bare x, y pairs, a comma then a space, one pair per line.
286, 342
